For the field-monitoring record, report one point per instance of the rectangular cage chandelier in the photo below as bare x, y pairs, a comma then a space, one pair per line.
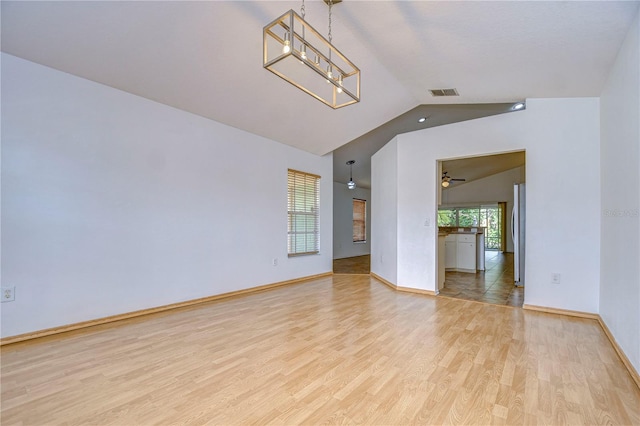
296, 52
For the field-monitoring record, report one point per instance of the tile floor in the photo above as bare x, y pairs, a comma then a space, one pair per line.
493, 285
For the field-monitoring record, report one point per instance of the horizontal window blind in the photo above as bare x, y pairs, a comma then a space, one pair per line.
359, 221
303, 213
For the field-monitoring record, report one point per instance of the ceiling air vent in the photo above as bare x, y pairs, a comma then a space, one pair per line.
444, 92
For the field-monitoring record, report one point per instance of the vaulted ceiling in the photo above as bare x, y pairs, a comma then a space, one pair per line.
206, 57
474, 168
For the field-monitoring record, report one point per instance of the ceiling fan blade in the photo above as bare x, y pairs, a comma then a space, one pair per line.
458, 180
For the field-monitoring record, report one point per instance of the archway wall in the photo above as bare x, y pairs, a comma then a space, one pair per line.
561, 138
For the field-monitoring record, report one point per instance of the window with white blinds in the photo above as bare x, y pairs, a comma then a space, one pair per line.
359, 221
303, 199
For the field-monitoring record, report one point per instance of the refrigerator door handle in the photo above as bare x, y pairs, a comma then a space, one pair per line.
513, 224
516, 244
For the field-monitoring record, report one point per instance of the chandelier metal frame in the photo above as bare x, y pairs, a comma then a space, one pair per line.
289, 41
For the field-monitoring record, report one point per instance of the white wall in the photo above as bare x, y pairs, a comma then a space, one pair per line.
620, 164
112, 203
384, 212
561, 139
343, 245
495, 188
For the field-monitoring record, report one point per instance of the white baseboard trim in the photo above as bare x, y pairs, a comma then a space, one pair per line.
98, 321
400, 288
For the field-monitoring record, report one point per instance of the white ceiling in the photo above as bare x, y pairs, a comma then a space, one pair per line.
206, 57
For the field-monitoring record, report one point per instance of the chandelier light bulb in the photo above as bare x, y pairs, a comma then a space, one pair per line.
340, 83
303, 51
286, 47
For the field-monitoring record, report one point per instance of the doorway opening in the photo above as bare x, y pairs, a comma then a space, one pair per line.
475, 221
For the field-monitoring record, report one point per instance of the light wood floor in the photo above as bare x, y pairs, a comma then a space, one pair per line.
342, 349
493, 285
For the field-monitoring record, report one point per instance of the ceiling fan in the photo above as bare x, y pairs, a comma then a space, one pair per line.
446, 180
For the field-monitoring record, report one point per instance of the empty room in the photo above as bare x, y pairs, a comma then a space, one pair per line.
241, 212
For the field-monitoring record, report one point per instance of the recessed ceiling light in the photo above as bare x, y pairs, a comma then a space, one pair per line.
518, 106
422, 119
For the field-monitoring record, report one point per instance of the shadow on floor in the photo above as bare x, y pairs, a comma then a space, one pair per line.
352, 265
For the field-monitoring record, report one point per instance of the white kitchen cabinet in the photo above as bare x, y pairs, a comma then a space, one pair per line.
441, 261
451, 248
466, 256
464, 252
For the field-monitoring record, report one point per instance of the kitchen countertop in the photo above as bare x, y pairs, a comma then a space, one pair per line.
461, 230
463, 233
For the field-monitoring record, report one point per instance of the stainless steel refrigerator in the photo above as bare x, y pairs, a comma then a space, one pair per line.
517, 233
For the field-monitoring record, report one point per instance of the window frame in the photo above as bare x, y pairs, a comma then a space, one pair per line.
493, 242
303, 204
359, 226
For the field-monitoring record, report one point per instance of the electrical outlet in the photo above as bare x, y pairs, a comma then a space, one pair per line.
275, 261
8, 294
555, 278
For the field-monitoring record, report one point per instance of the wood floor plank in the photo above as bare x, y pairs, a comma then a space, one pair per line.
340, 350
